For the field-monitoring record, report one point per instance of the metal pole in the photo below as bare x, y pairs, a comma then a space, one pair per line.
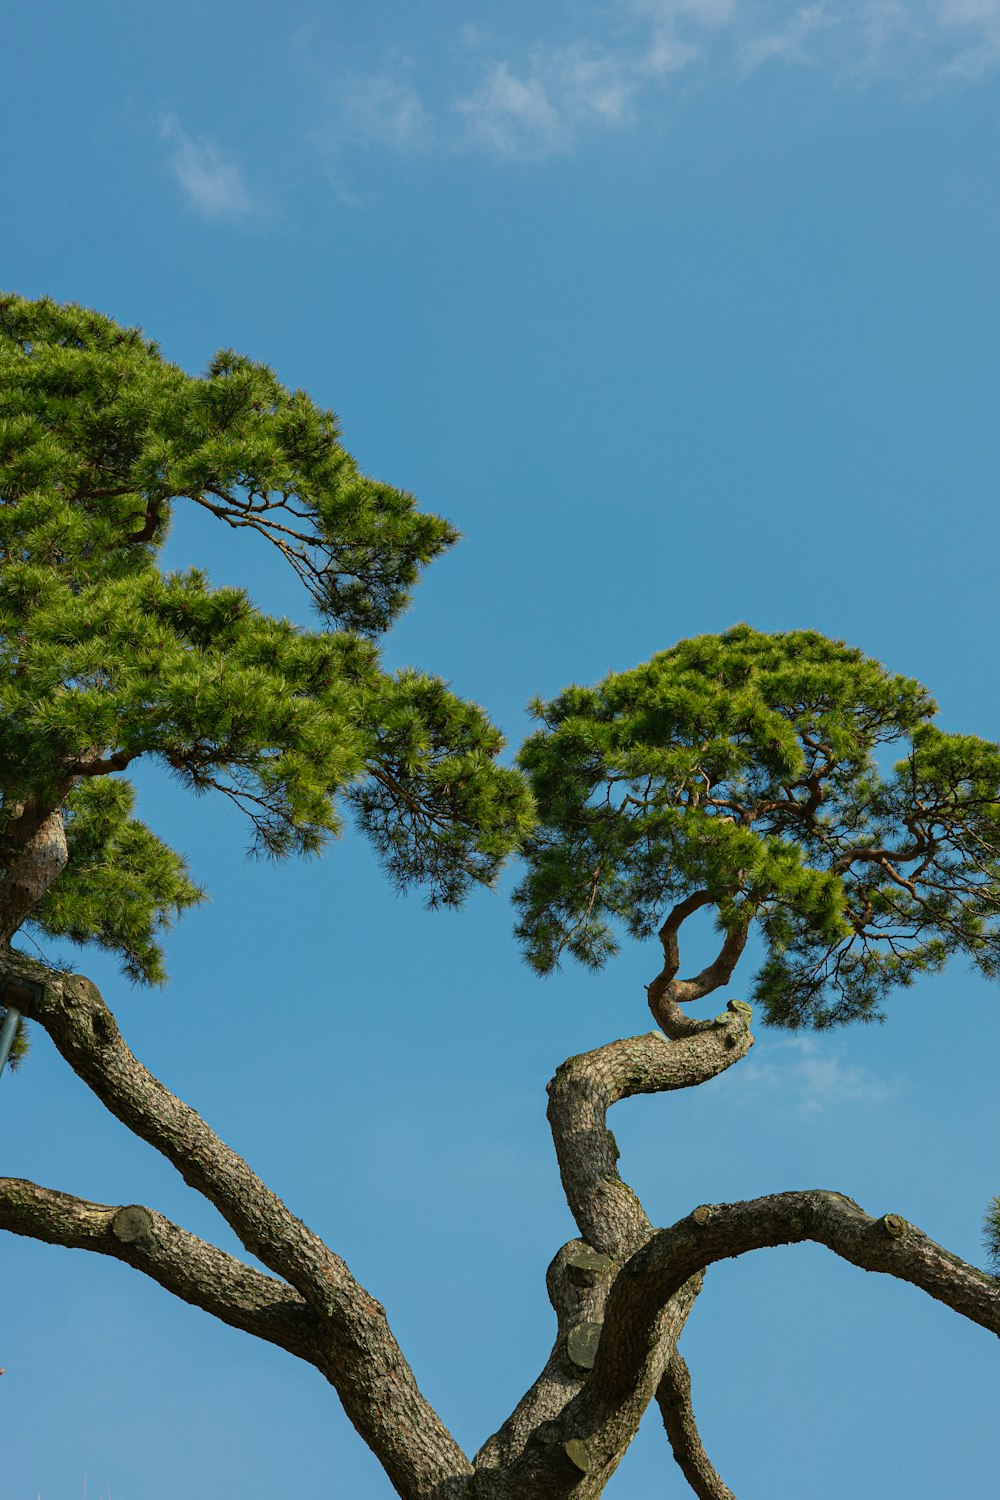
13, 987
7, 1033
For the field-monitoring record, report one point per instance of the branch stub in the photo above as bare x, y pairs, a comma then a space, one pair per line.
702, 1213
581, 1345
131, 1223
894, 1225
586, 1264
576, 1451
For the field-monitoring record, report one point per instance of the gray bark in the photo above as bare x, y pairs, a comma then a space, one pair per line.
621, 1292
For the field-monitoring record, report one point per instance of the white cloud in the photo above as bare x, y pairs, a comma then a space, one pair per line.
979, 21
969, 12
926, 40
545, 98
214, 185
542, 109
384, 110
665, 49
789, 43
806, 1076
543, 105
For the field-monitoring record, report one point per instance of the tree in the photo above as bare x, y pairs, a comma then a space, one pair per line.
743, 775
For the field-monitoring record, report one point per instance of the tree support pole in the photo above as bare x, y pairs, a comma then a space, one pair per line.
7, 1033
13, 989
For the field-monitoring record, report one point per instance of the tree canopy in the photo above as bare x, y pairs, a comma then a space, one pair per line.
786, 783
107, 660
748, 773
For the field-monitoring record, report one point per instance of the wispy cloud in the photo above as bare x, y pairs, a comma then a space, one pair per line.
382, 109
212, 183
975, 25
806, 1076
476, 89
792, 41
540, 108
543, 105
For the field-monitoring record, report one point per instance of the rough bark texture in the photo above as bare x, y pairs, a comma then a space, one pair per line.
609, 1215
34, 856
356, 1350
621, 1292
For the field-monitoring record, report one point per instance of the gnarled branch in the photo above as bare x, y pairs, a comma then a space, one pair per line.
613, 1225
607, 1212
362, 1360
648, 1282
667, 993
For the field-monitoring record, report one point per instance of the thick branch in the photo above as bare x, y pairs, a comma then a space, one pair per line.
718, 1232
564, 1457
365, 1364
100, 765
588, 1434
613, 1225
577, 1281
193, 1270
607, 1212
673, 1396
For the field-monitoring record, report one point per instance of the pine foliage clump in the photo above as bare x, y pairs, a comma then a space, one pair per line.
750, 769
106, 660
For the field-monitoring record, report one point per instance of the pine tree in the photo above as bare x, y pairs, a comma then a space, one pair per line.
108, 661
784, 783
746, 774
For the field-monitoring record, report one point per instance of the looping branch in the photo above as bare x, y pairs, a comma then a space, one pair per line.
667, 993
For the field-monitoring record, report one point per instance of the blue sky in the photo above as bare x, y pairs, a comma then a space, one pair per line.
685, 312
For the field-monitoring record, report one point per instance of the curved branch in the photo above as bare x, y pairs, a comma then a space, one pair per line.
672, 926
607, 1212
613, 1225
673, 1396
192, 1269
363, 1361
667, 993
587, 1436
721, 1231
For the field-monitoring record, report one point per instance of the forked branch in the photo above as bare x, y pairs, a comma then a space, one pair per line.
361, 1358
613, 1226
